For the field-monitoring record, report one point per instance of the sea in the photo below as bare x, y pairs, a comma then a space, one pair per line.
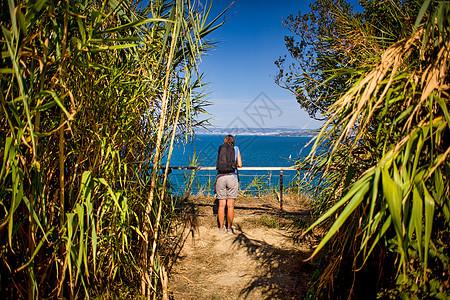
256, 151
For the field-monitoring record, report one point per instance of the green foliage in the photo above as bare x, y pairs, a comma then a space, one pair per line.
270, 221
91, 93
437, 284
310, 49
325, 47
258, 183
189, 178
385, 174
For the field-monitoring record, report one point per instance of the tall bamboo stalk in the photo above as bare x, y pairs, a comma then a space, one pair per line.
146, 282
166, 174
80, 198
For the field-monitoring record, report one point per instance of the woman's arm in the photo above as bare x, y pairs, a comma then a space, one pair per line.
239, 160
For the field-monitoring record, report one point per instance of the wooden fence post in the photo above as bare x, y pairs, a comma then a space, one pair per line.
281, 191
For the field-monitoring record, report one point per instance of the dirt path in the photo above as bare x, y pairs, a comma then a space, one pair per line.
259, 261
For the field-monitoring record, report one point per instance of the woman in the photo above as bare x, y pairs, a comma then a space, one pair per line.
227, 188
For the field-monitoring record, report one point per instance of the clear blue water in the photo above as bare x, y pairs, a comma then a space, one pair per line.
256, 151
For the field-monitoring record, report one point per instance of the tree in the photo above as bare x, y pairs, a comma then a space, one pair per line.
323, 48
387, 169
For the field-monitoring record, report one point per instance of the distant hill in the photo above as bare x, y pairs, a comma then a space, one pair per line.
275, 131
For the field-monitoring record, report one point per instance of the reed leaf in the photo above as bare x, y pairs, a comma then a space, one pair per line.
390, 126
82, 87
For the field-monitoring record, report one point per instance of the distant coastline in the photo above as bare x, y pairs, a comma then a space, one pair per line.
275, 131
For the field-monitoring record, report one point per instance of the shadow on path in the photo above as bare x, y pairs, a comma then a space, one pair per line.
283, 273
257, 261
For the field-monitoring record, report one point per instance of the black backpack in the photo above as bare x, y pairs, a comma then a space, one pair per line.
226, 162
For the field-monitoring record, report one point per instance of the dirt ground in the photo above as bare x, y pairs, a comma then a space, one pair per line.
259, 261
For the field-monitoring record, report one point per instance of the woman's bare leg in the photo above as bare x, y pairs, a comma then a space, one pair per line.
221, 212
230, 212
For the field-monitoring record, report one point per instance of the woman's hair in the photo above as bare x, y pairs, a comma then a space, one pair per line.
229, 139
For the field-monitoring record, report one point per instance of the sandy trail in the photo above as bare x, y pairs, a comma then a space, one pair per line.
259, 261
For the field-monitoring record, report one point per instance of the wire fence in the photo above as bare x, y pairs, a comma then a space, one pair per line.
253, 180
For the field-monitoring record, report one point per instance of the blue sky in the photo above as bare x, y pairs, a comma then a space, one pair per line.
241, 70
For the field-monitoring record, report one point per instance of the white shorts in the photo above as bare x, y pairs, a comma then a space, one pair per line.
227, 187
